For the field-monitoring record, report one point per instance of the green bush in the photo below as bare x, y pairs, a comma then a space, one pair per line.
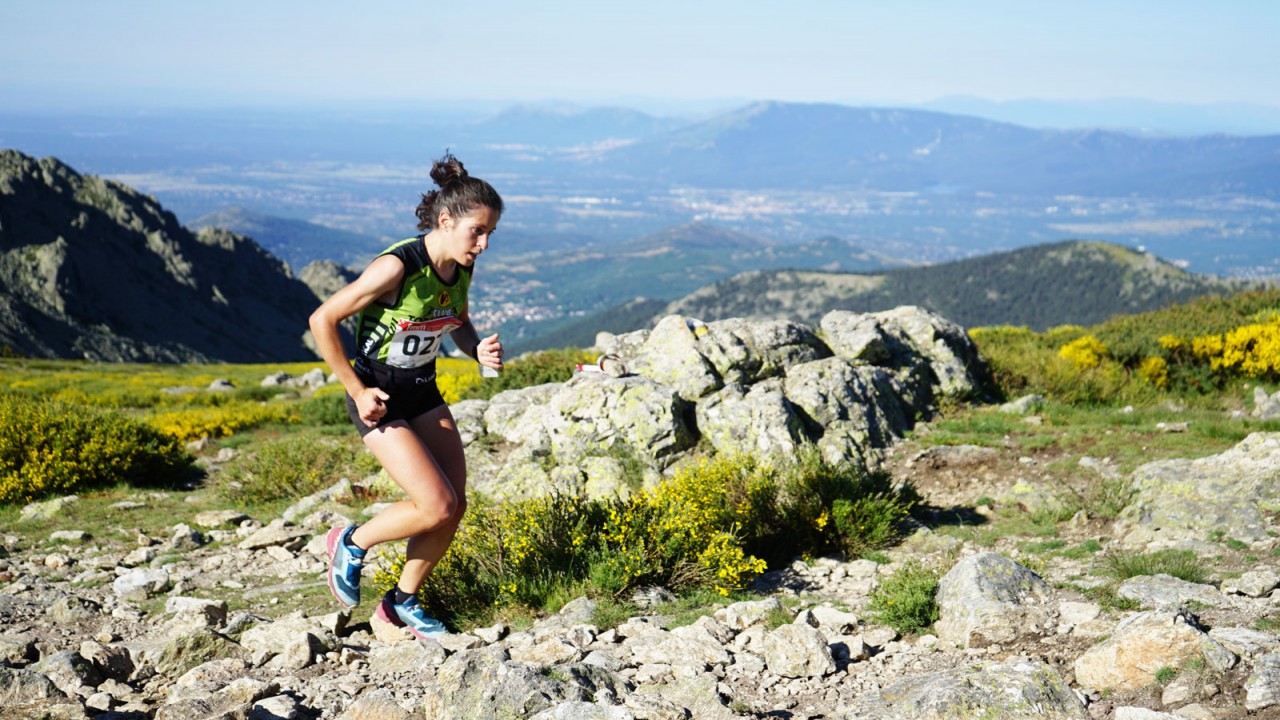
293, 467
512, 553
905, 601
49, 447
821, 508
325, 410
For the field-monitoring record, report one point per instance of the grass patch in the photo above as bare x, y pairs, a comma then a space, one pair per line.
1083, 550
1182, 564
293, 466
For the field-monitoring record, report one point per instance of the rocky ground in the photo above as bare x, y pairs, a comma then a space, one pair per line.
227, 616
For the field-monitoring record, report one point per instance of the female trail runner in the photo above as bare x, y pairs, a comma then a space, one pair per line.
408, 299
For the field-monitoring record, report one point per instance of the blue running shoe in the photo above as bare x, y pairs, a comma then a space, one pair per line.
345, 562
409, 614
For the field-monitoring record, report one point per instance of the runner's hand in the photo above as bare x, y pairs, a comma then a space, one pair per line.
489, 352
372, 405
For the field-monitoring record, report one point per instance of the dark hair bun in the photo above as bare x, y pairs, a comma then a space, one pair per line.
447, 169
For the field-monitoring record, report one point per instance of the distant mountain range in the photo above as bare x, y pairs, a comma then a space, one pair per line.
913, 183
1074, 282
90, 268
804, 146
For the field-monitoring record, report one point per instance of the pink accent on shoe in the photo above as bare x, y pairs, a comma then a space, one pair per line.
387, 614
331, 540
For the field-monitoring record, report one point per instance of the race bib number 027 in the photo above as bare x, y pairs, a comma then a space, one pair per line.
417, 343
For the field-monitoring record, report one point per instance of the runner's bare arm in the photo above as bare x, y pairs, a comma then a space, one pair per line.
381, 279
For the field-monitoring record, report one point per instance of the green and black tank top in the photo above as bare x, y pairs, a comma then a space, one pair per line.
408, 332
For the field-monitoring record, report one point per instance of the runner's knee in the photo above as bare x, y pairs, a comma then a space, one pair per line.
434, 514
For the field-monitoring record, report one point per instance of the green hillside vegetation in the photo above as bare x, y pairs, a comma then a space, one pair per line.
1201, 352
1038, 287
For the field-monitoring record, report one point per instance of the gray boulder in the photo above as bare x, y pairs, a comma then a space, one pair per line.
69, 671
505, 415
579, 710
748, 351
698, 696
798, 651
932, 356
1262, 689
1254, 583
1265, 407
1015, 691
592, 413
849, 411
988, 599
759, 419
1187, 499
140, 584
672, 357
1144, 643
377, 704
17, 650
1156, 591
487, 685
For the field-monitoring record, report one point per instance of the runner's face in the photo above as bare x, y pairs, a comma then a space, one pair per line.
468, 235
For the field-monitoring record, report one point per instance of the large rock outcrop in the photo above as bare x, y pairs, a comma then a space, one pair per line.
767, 387
1182, 499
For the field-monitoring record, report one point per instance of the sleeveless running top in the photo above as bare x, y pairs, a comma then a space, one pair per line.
408, 332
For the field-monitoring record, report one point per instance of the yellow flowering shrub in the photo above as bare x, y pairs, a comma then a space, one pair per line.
1085, 352
686, 531
50, 447
1249, 350
216, 422
455, 379
1155, 370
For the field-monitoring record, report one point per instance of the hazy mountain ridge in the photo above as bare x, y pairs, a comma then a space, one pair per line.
780, 145
297, 242
91, 268
1071, 282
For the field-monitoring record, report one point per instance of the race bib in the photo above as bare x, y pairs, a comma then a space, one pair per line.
415, 344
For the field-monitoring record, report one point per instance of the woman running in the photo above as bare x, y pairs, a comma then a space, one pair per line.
408, 299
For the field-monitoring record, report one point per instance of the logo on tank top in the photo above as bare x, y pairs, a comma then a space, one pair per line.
443, 298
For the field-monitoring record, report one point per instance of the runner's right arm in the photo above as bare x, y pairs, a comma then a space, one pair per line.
380, 280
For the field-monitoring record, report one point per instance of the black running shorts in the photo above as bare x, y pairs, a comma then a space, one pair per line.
413, 392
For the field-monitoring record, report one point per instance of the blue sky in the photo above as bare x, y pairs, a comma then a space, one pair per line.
86, 53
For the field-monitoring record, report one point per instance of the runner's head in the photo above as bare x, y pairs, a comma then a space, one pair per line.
456, 192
